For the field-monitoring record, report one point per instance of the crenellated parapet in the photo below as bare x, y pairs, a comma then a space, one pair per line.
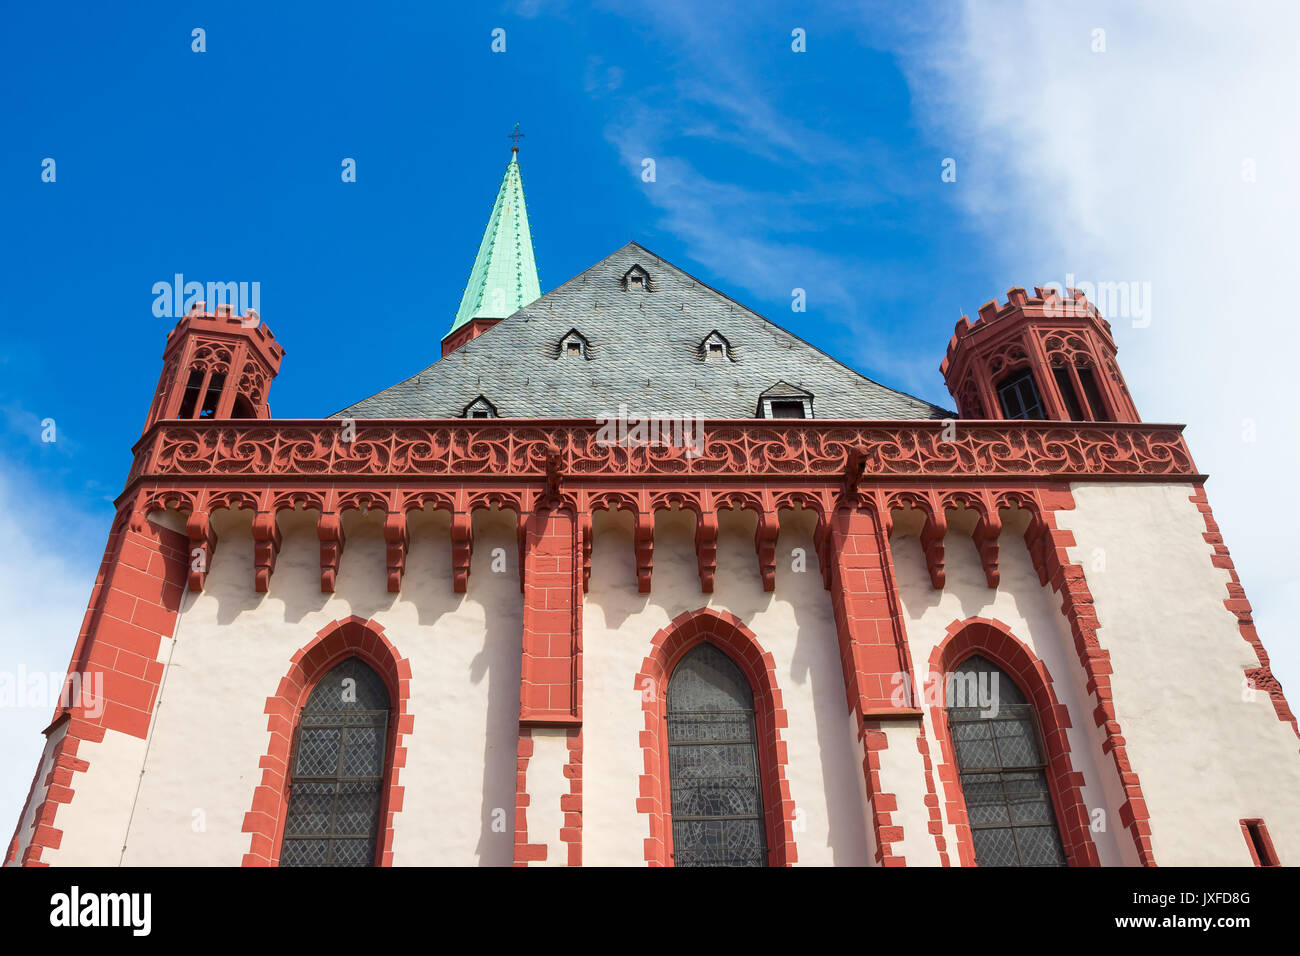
1046, 356
216, 365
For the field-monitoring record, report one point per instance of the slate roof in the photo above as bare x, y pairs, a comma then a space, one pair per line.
643, 352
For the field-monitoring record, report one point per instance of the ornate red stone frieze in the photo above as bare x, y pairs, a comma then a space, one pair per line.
495, 449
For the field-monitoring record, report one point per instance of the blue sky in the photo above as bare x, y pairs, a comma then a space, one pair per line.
775, 170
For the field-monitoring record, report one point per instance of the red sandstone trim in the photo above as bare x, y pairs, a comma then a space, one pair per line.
1270, 852
668, 646
571, 802
525, 852
883, 804
994, 640
349, 637
466, 333
550, 676
935, 825
1236, 602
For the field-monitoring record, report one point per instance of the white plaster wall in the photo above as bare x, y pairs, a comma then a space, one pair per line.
1033, 614
39, 789
94, 823
233, 646
546, 784
795, 623
1206, 757
902, 772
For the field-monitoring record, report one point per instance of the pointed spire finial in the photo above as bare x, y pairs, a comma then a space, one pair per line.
515, 137
504, 277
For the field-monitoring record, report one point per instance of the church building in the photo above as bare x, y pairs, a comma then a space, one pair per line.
630, 575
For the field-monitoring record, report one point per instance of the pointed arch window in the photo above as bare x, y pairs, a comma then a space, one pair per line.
1002, 770
713, 764
337, 770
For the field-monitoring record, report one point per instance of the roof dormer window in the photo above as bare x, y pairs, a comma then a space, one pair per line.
479, 408
574, 345
636, 279
715, 347
784, 400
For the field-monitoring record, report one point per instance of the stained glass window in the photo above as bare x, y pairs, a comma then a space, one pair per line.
338, 770
1003, 774
713, 770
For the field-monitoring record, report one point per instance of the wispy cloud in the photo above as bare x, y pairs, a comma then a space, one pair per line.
1169, 158
768, 241
48, 558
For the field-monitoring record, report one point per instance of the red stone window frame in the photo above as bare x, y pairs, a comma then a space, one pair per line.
994, 640
350, 637
672, 643
1260, 844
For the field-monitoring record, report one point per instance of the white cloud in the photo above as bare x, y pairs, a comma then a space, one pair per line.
1127, 165
47, 570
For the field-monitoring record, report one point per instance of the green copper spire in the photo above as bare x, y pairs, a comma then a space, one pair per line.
504, 278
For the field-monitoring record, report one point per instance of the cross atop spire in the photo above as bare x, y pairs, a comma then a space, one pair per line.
515, 137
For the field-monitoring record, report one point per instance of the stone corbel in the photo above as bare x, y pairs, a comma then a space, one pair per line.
398, 539
765, 535
936, 526
329, 529
1036, 539
644, 539
986, 542
521, 538
586, 537
553, 476
823, 543
204, 541
266, 545
706, 548
462, 548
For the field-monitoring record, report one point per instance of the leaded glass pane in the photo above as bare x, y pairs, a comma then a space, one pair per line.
1039, 846
1003, 777
719, 843
713, 768
318, 751
1015, 739
334, 794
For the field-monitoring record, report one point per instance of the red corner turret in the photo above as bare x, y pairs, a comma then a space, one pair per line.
1044, 357
216, 366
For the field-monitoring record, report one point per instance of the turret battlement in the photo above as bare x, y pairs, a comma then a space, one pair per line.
1047, 356
216, 365
1047, 302
228, 322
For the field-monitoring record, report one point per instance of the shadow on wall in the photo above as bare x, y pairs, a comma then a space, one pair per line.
495, 540
815, 661
613, 560
961, 560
